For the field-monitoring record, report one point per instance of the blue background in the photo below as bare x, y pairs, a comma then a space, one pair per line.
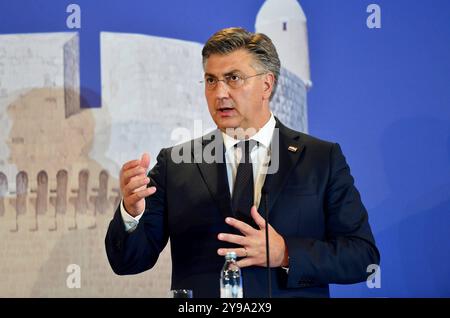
383, 94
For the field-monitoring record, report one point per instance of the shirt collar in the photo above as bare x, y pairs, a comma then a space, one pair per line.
263, 136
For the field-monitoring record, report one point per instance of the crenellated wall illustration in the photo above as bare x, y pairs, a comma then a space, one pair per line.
57, 204
59, 162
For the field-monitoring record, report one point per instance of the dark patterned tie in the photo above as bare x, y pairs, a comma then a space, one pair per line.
242, 199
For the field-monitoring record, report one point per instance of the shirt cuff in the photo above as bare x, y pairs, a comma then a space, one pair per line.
286, 268
130, 222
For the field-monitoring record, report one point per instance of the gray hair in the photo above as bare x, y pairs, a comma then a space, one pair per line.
259, 45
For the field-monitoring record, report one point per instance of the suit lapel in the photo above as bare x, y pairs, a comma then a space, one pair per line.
214, 174
286, 143
289, 148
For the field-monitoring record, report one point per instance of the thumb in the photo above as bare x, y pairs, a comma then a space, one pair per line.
145, 160
259, 220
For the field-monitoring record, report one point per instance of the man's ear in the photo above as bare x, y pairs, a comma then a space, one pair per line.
269, 81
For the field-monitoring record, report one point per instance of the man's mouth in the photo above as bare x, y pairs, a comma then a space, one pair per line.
225, 109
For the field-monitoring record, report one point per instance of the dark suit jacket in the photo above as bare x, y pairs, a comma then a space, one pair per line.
313, 204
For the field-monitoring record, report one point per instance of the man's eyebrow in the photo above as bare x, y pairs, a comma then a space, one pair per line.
232, 72
226, 74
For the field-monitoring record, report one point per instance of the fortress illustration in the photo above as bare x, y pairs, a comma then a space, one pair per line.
59, 163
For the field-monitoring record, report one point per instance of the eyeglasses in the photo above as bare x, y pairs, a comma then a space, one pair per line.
233, 80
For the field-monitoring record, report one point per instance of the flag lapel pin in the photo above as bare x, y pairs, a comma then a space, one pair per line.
292, 149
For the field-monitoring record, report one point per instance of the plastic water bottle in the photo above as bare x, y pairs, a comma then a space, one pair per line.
230, 278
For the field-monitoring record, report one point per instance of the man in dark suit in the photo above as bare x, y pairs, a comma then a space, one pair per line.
209, 195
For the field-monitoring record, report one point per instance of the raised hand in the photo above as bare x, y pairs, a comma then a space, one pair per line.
253, 242
133, 185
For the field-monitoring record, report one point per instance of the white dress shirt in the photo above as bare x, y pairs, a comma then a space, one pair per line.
260, 156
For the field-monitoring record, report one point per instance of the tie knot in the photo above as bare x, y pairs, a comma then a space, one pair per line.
246, 147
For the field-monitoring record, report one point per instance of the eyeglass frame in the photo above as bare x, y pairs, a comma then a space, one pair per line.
226, 81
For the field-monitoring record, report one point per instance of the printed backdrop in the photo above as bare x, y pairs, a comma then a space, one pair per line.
88, 85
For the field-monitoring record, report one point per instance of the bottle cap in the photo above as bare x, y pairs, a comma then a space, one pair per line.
230, 255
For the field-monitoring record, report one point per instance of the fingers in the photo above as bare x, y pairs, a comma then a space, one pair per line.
127, 175
247, 259
138, 195
232, 238
134, 167
133, 178
145, 161
135, 184
244, 228
246, 262
130, 164
253, 249
259, 220
240, 251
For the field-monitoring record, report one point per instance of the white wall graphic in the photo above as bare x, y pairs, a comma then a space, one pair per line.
59, 163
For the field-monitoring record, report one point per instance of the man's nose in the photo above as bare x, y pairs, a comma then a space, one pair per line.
222, 90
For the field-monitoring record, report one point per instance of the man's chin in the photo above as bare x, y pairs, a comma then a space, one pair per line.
237, 132
227, 123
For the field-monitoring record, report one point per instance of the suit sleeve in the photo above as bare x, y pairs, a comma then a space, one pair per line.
137, 251
348, 248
